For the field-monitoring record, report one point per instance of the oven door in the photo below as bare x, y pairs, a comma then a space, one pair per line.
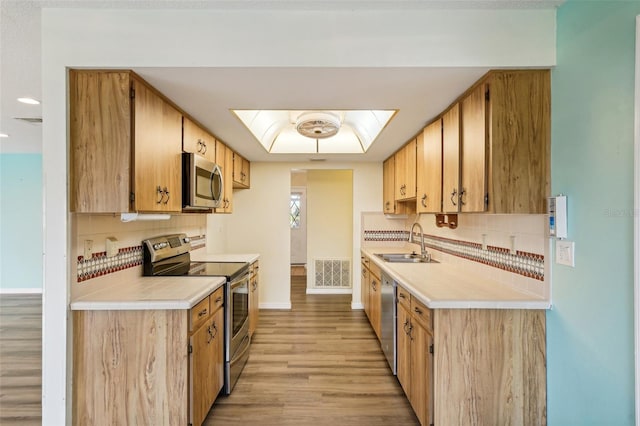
237, 330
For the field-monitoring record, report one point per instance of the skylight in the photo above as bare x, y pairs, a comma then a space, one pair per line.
283, 131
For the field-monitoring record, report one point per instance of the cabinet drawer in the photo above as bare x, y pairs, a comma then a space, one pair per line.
404, 297
199, 313
421, 313
216, 299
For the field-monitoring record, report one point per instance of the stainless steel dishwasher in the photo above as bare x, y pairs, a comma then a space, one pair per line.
388, 320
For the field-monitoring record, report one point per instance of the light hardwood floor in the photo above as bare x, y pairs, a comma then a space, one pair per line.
20, 359
318, 364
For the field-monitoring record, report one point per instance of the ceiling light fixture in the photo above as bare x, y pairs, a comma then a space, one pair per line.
29, 101
318, 124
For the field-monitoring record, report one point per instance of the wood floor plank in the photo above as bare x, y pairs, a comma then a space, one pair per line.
319, 363
20, 359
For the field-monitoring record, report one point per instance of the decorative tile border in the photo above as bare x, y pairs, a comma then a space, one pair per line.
127, 257
100, 264
522, 263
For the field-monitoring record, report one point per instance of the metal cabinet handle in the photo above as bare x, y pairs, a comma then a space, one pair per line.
453, 194
202, 313
423, 200
218, 300
417, 310
462, 193
166, 192
402, 296
160, 193
204, 147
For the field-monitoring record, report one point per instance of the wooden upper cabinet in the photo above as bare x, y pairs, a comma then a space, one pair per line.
429, 169
405, 172
100, 152
197, 140
125, 145
474, 151
224, 158
241, 171
520, 139
158, 145
388, 185
451, 159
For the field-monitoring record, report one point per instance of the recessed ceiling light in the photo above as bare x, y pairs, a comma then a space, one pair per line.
29, 101
4, 135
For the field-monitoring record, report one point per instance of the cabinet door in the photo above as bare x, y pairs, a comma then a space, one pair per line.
375, 302
240, 171
421, 394
254, 299
100, 141
388, 185
399, 181
224, 158
203, 369
218, 343
451, 160
197, 140
429, 169
405, 172
365, 286
474, 147
157, 149
403, 349
410, 169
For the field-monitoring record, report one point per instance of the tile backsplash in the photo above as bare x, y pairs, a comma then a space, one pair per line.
513, 249
98, 227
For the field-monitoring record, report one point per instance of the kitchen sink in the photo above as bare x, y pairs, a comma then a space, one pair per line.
406, 258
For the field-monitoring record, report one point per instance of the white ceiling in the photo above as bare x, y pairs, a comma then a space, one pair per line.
208, 94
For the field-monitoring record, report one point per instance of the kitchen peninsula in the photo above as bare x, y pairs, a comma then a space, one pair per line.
471, 350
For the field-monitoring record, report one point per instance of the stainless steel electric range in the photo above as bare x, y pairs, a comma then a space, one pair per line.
169, 255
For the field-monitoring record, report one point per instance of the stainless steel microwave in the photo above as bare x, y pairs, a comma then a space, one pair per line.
202, 184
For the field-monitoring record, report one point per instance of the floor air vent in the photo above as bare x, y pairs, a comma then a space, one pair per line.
332, 273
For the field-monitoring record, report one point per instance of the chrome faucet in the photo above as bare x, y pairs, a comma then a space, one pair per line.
423, 252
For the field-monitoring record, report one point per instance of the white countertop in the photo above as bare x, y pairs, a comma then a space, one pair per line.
442, 285
145, 293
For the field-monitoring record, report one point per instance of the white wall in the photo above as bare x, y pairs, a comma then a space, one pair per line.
200, 38
329, 213
260, 222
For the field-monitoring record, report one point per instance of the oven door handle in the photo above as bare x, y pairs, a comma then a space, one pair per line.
243, 347
240, 281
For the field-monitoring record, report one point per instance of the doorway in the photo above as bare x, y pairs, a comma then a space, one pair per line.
321, 219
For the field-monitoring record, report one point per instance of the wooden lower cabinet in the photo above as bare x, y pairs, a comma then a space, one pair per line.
206, 364
415, 360
475, 367
145, 367
371, 293
254, 297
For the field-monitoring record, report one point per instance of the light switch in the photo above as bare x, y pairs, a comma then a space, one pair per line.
565, 253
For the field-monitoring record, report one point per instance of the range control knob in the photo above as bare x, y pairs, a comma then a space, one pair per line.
186, 239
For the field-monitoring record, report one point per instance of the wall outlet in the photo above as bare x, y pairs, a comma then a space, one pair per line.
512, 244
88, 249
112, 246
565, 251
484, 242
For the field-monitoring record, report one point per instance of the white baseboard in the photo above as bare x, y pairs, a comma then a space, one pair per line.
275, 305
20, 290
329, 291
357, 305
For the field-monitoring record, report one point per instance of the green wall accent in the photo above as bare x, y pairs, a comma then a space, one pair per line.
21, 221
590, 336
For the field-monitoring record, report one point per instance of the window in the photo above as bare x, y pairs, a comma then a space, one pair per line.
294, 210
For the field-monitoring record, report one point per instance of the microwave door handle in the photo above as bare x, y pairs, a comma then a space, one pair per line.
216, 174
